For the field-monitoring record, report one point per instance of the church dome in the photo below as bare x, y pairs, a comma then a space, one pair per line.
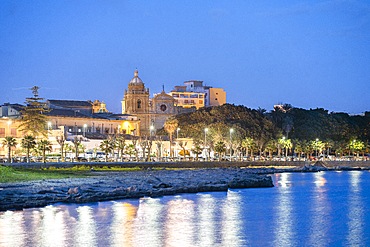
136, 79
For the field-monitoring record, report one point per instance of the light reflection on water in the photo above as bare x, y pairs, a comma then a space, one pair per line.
312, 209
283, 219
356, 211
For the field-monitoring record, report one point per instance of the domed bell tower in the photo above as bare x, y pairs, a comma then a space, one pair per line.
136, 101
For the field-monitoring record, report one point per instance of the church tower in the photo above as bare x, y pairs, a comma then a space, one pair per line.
136, 101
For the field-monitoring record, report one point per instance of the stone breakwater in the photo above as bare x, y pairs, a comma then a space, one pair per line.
105, 186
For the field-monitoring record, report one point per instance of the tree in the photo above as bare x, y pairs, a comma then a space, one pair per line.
28, 142
356, 146
67, 149
247, 144
220, 148
130, 150
270, 147
43, 146
317, 146
61, 140
9, 142
107, 146
159, 145
76, 145
33, 120
182, 145
170, 126
120, 145
143, 144
197, 149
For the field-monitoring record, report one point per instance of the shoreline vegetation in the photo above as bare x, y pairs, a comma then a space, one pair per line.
41, 185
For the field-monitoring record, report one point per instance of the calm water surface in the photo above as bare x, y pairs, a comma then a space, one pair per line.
303, 209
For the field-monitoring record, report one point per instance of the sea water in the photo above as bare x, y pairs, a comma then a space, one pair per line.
303, 209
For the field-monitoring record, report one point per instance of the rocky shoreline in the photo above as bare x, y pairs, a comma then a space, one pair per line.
105, 186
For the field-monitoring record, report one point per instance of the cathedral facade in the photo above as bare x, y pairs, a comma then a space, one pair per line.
152, 113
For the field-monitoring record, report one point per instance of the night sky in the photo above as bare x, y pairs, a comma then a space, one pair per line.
306, 53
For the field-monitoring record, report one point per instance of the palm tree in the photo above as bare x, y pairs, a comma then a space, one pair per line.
220, 148
298, 147
9, 142
271, 147
247, 143
107, 146
197, 149
120, 144
130, 150
43, 146
28, 142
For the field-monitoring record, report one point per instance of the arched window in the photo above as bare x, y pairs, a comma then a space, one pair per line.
138, 103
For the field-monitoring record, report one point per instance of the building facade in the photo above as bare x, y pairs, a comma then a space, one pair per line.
194, 95
152, 113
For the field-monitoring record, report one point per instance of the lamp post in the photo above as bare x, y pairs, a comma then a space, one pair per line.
231, 131
317, 139
9, 123
151, 130
353, 149
84, 130
49, 127
283, 142
177, 133
205, 142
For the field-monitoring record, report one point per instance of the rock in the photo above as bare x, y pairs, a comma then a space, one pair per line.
74, 190
122, 185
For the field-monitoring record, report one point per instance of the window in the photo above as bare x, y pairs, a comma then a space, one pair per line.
138, 103
13, 132
215, 98
2, 132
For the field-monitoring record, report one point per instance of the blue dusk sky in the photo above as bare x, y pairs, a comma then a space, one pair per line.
306, 53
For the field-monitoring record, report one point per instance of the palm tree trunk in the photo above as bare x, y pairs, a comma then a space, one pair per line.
9, 155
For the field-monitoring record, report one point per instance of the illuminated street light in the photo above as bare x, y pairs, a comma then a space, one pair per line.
205, 141
177, 133
9, 123
231, 131
84, 130
49, 127
151, 129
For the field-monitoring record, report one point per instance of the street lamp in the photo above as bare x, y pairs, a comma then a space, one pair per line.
177, 133
317, 139
205, 141
84, 130
231, 131
283, 138
9, 123
353, 149
49, 127
151, 130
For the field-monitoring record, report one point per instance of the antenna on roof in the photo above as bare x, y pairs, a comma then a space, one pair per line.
162, 87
